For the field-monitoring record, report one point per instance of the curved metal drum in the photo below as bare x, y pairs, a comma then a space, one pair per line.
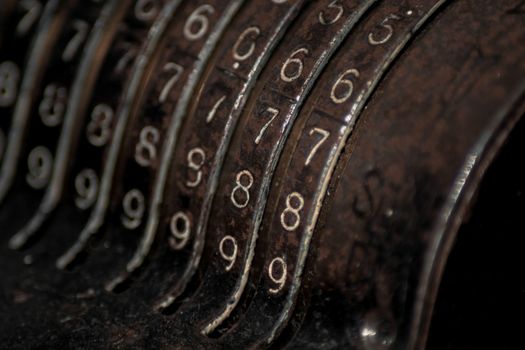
262, 174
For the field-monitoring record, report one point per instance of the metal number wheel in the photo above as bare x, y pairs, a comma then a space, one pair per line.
262, 174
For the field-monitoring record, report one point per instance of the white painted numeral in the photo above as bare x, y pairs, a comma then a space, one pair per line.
98, 130
277, 265
248, 49
86, 185
197, 24
343, 87
274, 113
373, 40
53, 105
145, 150
293, 66
216, 106
180, 227
33, 10
324, 20
176, 69
324, 135
40, 166
242, 190
228, 249
9, 77
146, 10
134, 206
128, 57
294, 204
72, 47
196, 158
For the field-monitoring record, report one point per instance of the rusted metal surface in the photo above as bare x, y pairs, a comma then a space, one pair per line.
398, 200
283, 174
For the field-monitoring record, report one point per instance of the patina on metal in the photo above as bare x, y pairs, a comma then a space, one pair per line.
262, 174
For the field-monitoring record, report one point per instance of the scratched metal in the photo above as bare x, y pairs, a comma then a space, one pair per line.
232, 281
141, 67
256, 147
410, 151
320, 136
96, 47
40, 53
36, 157
94, 137
143, 142
209, 307
19, 30
387, 150
170, 255
486, 249
196, 49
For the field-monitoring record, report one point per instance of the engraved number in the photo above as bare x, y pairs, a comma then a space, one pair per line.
293, 66
81, 32
180, 227
248, 49
228, 250
145, 150
9, 76
343, 87
294, 204
274, 113
324, 20
128, 57
53, 105
197, 24
33, 10
324, 135
278, 265
211, 113
39, 163
98, 130
196, 158
177, 71
373, 40
86, 185
134, 207
242, 188
146, 10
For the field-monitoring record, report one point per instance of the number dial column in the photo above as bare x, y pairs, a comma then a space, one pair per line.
19, 31
94, 45
416, 155
204, 140
32, 31
180, 60
263, 127
82, 186
138, 59
325, 125
40, 124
